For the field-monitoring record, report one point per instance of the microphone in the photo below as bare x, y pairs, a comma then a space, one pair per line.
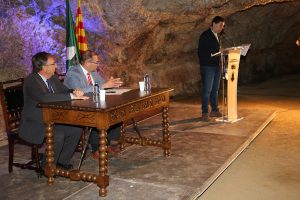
227, 38
222, 32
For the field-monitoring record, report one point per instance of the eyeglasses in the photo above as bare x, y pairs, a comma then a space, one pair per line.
97, 63
51, 64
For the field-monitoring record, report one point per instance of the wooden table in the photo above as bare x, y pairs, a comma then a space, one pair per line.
116, 109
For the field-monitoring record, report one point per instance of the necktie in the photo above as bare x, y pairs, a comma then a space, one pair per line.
49, 86
89, 79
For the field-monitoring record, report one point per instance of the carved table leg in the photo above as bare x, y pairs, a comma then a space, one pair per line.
49, 168
165, 130
103, 179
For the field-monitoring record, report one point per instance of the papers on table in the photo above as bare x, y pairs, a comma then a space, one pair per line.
116, 91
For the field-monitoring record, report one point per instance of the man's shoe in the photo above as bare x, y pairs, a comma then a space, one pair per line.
205, 117
41, 173
113, 151
110, 150
215, 114
64, 166
95, 155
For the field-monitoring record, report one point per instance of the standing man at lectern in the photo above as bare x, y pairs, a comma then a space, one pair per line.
210, 67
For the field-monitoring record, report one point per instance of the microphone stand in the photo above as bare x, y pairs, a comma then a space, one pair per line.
223, 81
223, 87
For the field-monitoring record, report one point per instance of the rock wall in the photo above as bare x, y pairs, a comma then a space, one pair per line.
272, 30
158, 37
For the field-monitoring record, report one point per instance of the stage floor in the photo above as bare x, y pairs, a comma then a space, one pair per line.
200, 152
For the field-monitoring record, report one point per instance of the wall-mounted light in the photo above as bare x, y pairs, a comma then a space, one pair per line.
298, 42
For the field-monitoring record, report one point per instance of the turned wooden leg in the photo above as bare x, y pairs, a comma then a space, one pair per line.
165, 130
102, 180
49, 169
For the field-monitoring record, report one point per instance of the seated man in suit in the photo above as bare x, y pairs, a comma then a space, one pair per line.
43, 86
84, 76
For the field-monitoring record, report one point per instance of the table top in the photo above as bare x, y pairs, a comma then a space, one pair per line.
111, 101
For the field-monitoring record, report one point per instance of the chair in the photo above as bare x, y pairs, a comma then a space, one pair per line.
11, 97
61, 76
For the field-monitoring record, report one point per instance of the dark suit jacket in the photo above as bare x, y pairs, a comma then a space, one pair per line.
32, 127
208, 44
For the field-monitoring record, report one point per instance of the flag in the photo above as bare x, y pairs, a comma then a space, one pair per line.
79, 31
73, 56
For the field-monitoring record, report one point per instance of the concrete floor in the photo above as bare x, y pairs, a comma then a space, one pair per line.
200, 152
269, 168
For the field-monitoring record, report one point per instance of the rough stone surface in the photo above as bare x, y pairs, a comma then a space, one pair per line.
157, 37
198, 155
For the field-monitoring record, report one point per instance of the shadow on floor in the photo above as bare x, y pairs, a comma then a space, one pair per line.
200, 152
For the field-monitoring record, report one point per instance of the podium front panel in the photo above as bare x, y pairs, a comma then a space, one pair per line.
232, 70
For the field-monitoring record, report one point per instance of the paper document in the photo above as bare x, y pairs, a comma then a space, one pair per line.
215, 54
116, 91
245, 48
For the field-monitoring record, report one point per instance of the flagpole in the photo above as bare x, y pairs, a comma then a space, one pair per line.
79, 30
72, 55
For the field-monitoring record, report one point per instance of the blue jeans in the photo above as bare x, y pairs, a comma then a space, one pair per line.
211, 77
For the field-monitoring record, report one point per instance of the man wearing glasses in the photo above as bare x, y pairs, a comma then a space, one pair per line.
85, 76
43, 86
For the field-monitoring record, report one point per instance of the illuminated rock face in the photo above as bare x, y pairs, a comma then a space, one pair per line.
158, 37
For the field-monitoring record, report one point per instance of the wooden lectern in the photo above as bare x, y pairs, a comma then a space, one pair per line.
234, 55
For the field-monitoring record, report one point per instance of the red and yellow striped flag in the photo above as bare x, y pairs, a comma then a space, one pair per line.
79, 31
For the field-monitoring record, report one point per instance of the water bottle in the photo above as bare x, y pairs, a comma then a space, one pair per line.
96, 93
147, 83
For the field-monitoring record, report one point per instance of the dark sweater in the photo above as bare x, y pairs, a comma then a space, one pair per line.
208, 44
